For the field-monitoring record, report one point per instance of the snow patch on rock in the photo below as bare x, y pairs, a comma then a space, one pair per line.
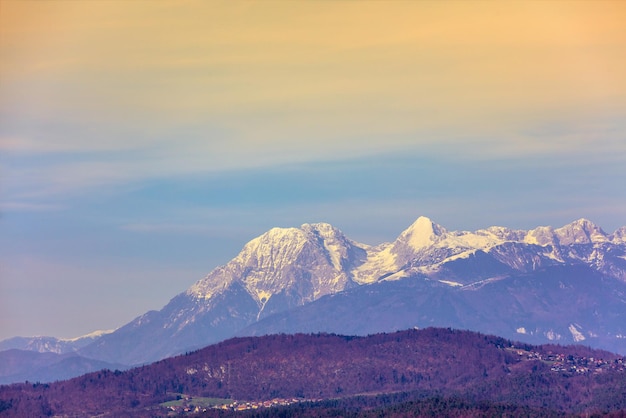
575, 330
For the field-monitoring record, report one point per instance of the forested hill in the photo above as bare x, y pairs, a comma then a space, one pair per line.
439, 361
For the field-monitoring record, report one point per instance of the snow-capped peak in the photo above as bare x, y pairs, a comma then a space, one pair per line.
266, 248
307, 262
322, 228
582, 231
422, 233
270, 253
91, 336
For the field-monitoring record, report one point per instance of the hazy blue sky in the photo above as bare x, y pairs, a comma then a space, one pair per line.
142, 144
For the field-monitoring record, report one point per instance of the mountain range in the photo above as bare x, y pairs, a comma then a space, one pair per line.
546, 285
51, 344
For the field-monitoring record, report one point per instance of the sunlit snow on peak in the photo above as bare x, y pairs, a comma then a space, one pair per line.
422, 233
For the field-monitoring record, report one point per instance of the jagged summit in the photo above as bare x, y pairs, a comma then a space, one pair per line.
321, 227
582, 231
298, 263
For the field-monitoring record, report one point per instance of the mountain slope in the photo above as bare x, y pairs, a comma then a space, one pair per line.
564, 304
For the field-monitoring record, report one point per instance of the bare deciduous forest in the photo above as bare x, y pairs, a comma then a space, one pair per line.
434, 368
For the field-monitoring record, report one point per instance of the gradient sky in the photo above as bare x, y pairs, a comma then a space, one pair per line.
144, 143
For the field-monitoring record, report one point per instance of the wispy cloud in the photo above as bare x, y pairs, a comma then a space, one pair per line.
269, 84
169, 228
28, 207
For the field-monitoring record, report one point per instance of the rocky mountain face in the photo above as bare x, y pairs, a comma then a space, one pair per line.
285, 268
562, 285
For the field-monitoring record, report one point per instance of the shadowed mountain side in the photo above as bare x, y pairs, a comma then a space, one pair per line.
555, 302
159, 334
22, 365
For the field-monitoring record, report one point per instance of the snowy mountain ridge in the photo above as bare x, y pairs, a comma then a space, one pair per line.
289, 267
266, 264
464, 274
43, 344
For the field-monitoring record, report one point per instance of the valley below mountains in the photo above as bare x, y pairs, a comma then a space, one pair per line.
562, 285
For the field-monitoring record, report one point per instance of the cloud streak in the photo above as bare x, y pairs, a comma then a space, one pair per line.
277, 78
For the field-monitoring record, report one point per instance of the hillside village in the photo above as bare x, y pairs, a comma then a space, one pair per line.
565, 364
569, 364
189, 404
